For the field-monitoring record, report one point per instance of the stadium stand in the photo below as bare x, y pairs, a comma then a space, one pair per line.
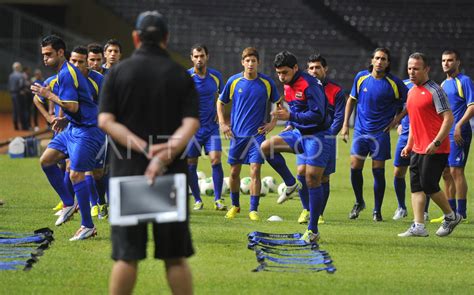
408, 26
20, 35
270, 26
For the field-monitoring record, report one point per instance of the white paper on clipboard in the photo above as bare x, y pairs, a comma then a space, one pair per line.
133, 201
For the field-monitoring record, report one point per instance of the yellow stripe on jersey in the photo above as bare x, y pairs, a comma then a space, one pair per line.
216, 80
359, 82
96, 87
459, 86
38, 99
52, 82
73, 75
394, 87
267, 85
232, 87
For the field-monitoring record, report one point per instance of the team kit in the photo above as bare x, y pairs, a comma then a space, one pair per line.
432, 122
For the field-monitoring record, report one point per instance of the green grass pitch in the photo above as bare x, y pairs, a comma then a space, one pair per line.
369, 257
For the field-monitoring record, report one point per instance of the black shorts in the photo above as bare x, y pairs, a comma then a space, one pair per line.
172, 240
426, 171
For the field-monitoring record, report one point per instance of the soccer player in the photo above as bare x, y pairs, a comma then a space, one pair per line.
311, 116
54, 120
112, 54
81, 140
95, 178
251, 93
428, 142
318, 68
460, 91
401, 167
95, 57
208, 83
379, 97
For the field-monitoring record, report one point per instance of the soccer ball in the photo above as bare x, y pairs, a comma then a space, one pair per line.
226, 185
271, 183
281, 188
245, 185
207, 187
201, 175
264, 189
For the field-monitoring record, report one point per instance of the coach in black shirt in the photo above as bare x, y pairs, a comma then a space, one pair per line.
148, 104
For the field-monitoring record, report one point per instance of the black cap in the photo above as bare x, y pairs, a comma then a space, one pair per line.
151, 26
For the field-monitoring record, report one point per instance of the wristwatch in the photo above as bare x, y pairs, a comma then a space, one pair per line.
437, 143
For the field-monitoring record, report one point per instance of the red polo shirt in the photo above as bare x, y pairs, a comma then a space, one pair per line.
425, 104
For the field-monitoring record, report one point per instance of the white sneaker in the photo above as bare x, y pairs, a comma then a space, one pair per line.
286, 194
58, 213
66, 214
448, 226
84, 233
414, 231
400, 213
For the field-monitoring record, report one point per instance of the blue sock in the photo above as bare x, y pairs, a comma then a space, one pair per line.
315, 206
452, 204
254, 201
55, 177
279, 165
462, 207
68, 183
379, 188
427, 205
400, 187
217, 178
193, 182
101, 186
326, 191
94, 196
82, 193
303, 192
235, 197
357, 181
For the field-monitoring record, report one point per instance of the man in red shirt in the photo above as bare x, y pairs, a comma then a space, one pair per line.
430, 122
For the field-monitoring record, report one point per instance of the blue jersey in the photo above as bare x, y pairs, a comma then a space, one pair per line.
104, 70
52, 83
336, 97
208, 89
73, 87
94, 81
406, 120
251, 99
378, 100
460, 94
310, 109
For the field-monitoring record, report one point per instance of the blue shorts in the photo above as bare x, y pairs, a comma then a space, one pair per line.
209, 139
377, 145
81, 145
399, 160
458, 154
246, 150
331, 165
313, 150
